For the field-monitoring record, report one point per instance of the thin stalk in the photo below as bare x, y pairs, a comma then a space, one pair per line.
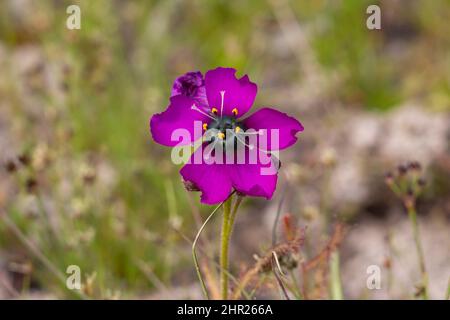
277, 217
229, 217
412, 214
295, 287
194, 244
278, 272
232, 278
234, 212
335, 277
224, 245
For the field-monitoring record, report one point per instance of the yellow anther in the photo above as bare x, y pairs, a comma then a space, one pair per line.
235, 111
221, 135
237, 129
205, 126
214, 110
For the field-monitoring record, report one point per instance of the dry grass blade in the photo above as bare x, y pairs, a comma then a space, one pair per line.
35, 251
264, 264
278, 272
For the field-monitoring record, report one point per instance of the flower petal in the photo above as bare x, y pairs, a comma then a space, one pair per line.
211, 179
178, 115
191, 85
237, 93
258, 180
267, 118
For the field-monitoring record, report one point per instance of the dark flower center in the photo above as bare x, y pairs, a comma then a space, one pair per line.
228, 127
224, 123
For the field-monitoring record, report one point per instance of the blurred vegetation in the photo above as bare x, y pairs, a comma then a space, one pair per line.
116, 71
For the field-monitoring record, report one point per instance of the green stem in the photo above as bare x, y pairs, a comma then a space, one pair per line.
194, 254
224, 244
296, 289
227, 227
234, 212
335, 277
413, 218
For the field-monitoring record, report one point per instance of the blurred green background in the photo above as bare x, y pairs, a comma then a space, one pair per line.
94, 189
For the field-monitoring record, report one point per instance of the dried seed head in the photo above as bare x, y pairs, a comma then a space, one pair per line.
289, 261
415, 166
410, 192
10, 166
402, 169
410, 199
422, 182
24, 159
89, 177
31, 185
88, 174
389, 178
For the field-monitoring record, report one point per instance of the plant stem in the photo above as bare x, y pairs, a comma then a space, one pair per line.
335, 277
234, 212
296, 290
413, 218
194, 254
224, 244
227, 227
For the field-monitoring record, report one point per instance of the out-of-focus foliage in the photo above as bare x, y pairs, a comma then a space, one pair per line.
82, 109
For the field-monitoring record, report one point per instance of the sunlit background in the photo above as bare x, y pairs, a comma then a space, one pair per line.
82, 182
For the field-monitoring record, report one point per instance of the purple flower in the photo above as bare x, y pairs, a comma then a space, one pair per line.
219, 102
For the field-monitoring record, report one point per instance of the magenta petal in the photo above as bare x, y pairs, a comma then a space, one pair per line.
211, 179
191, 85
178, 115
251, 180
237, 93
267, 118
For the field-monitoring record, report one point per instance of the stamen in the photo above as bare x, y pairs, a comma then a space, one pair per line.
214, 110
265, 151
250, 133
222, 95
250, 146
206, 156
205, 126
235, 111
194, 107
221, 135
237, 129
